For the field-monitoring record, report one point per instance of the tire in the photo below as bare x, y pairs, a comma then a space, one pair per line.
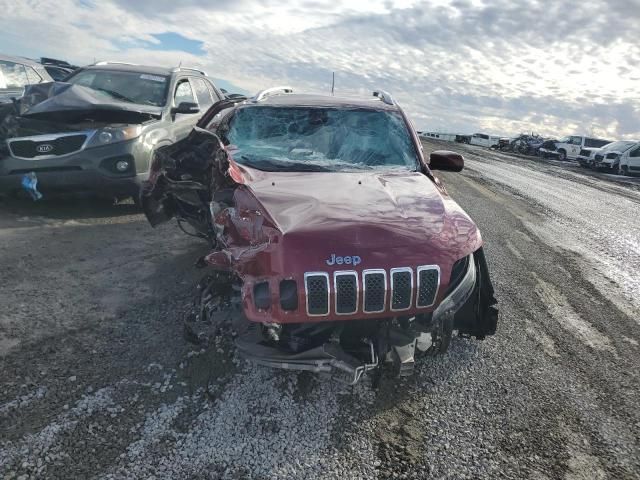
562, 155
624, 171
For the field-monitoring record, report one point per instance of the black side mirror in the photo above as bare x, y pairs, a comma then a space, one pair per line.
446, 160
186, 107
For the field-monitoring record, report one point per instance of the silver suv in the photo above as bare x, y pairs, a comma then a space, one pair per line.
97, 131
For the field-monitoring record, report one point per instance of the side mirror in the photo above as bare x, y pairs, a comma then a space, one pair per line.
186, 107
446, 160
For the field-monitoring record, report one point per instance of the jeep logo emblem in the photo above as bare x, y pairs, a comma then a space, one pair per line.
44, 148
347, 260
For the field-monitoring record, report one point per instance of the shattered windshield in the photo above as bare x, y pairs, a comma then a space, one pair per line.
131, 87
320, 139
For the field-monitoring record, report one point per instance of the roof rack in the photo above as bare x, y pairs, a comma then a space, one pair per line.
262, 94
191, 69
384, 96
106, 62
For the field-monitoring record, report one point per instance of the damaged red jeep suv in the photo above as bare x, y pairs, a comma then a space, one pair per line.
328, 231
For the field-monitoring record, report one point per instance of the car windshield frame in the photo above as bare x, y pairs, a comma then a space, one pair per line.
145, 81
322, 139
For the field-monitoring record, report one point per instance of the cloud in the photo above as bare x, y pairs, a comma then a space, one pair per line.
463, 65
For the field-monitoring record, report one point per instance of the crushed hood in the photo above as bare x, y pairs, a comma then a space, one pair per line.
270, 223
379, 216
371, 209
65, 102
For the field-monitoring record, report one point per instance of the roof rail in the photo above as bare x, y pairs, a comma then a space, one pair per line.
106, 62
384, 96
262, 94
191, 69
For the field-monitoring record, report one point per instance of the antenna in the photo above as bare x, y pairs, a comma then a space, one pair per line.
333, 81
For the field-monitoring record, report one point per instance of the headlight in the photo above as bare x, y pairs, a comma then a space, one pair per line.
108, 135
460, 293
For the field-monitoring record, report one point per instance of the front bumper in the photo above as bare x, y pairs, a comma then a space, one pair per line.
606, 165
399, 345
548, 152
87, 171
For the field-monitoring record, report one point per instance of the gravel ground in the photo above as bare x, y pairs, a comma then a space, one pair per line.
97, 382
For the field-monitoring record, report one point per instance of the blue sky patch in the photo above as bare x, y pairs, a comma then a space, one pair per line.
167, 41
175, 41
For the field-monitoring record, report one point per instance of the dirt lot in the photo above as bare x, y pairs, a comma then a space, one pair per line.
97, 381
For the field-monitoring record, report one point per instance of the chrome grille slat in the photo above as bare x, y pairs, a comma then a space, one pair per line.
316, 285
346, 287
374, 290
401, 288
428, 284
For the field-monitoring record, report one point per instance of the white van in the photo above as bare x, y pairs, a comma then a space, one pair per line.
630, 161
484, 140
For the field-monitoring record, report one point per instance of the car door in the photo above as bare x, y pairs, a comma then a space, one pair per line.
183, 123
575, 145
630, 160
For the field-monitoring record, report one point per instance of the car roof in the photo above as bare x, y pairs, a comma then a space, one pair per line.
317, 100
21, 60
127, 67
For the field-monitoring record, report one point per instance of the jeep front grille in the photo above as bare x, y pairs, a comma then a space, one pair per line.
404, 288
346, 292
401, 288
428, 283
374, 290
317, 288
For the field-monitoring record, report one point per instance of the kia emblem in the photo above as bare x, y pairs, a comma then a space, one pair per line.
44, 148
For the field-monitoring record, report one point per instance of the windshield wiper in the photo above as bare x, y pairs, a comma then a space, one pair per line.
271, 165
114, 94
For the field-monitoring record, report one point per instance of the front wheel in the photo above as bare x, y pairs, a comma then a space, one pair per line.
562, 155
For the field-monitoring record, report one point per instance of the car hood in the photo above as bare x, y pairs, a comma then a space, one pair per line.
56, 107
368, 213
62, 101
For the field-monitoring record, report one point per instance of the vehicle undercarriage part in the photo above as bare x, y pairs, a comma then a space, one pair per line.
329, 357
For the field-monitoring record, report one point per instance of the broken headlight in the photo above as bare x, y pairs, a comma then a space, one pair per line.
460, 293
109, 135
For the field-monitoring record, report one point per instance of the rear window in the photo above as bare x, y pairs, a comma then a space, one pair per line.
132, 87
320, 139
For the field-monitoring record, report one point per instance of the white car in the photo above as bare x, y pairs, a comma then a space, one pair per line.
587, 156
630, 161
608, 158
570, 147
484, 140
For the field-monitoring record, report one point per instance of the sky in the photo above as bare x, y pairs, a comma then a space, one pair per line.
502, 67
